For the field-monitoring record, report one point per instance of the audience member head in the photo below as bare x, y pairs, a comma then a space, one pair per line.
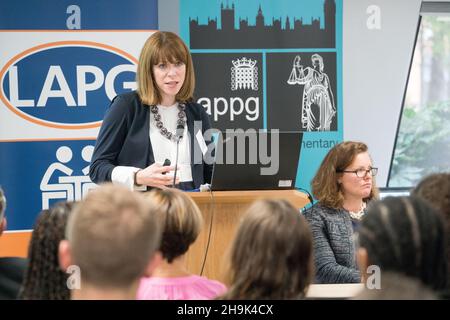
163, 47
397, 286
404, 235
112, 238
333, 181
2, 211
435, 189
271, 254
181, 218
44, 280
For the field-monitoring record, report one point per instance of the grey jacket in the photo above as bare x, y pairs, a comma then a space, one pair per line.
334, 251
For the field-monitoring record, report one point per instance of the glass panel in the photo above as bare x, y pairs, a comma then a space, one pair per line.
423, 142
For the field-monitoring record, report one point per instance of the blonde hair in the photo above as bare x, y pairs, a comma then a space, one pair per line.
113, 235
325, 186
271, 254
181, 218
163, 46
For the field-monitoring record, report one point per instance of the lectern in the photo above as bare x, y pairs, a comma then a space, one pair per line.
222, 211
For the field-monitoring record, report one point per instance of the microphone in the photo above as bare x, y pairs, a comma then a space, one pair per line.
178, 135
179, 131
166, 164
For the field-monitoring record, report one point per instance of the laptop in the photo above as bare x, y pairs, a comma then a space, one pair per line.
265, 160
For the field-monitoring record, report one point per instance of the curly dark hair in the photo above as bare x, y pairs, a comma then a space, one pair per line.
406, 235
44, 280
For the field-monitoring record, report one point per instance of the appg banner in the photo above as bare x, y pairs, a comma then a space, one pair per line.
267, 64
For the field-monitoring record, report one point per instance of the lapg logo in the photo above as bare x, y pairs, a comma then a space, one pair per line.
66, 84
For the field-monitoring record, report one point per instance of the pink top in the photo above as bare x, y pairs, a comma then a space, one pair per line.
179, 288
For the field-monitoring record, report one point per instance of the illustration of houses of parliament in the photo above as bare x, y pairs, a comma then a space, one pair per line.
295, 34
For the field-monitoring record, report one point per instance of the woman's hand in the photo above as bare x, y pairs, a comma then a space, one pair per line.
156, 175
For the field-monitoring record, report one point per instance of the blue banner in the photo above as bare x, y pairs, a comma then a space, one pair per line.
62, 63
94, 14
37, 174
267, 64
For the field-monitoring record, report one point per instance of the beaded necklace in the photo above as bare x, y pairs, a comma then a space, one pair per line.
181, 121
357, 215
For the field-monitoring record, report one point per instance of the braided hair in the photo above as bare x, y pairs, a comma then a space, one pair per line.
44, 280
406, 235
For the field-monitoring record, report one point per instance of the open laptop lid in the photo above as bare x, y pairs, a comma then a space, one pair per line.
256, 160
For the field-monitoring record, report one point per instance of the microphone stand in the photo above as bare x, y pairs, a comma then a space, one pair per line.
176, 163
179, 133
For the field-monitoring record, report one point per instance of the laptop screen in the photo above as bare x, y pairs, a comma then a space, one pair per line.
256, 160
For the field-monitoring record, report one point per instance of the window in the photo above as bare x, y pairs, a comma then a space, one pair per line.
423, 139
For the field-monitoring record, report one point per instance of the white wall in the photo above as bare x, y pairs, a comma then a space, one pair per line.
375, 68
168, 18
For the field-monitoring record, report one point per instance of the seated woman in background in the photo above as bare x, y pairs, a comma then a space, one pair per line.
171, 280
271, 255
44, 280
343, 186
404, 235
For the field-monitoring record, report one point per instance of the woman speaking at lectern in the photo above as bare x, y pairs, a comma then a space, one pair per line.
145, 127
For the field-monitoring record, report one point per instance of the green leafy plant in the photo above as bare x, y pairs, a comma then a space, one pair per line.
423, 144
